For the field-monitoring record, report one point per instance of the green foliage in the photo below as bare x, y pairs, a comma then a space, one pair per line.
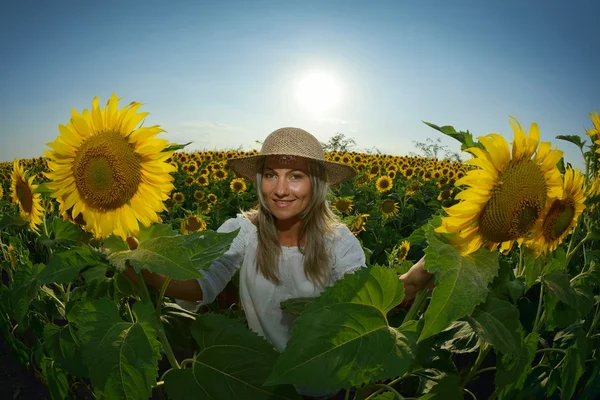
461, 282
179, 257
231, 363
343, 339
121, 356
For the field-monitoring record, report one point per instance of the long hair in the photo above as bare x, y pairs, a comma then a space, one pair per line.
318, 223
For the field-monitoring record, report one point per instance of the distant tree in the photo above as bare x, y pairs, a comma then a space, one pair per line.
339, 142
434, 149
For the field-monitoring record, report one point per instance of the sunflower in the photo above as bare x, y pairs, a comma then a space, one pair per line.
359, 223
204, 207
212, 198
202, 180
445, 194
189, 180
111, 172
192, 168
383, 184
199, 195
238, 185
560, 215
389, 208
219, 174
1, 191
192, 223
343, 204
408, 173
178, 197
22, 189
506, 195
403, 250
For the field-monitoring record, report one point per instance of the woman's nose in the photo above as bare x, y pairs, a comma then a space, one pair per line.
282, 188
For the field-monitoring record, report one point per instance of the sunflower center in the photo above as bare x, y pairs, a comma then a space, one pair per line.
107, 171
25, 196
516, 203
387, 206
193, 223
559, 217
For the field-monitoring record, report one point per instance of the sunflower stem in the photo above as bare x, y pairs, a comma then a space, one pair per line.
570, 253
162, 337
537, 323
417, 305
594, 321
483, 351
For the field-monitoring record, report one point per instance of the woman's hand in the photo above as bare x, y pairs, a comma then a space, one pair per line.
415, 279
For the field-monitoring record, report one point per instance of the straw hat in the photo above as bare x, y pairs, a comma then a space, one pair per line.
291, 142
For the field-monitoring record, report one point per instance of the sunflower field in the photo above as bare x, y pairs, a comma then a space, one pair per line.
511, 237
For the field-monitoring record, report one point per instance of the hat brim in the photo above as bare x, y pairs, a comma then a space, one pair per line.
247, 167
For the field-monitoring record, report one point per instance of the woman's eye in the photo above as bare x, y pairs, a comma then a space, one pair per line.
296, 177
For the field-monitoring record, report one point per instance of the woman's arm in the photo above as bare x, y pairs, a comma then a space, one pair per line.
415, 279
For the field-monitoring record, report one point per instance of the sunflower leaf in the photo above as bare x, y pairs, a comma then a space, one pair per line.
122, 357
497, 322
25, 288
575, 139
513, 369
232, 363
60, 345
559, 284
447, 388
12, 220
154, 231
465, 138
42, 188
64, 267
461, 282
343, 338
175, 146
179, 257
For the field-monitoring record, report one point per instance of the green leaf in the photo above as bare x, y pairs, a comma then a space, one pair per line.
174, 146
296, 306
12, 220
60, 345
465, 138
573, 367
343, 339
592, 386
497, 322
42, 188
113, 244
122, 356
461, 282
559, 285
231, 363
25, 288
180, 257
155, 231
512, 370
447, 389
56, 379
458, 338
64, 267
575, 139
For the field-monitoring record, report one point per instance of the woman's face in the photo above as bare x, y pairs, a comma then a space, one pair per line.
286, 187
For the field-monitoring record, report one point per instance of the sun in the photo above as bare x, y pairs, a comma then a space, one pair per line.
318, 92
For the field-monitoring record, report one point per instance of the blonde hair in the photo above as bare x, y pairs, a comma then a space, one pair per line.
318, 223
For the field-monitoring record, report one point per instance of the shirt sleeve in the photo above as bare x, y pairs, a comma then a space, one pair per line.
222, 270
348, 254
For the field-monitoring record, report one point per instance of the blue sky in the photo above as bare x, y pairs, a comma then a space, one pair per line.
224, 74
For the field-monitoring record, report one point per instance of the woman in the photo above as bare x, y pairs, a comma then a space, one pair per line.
291, 245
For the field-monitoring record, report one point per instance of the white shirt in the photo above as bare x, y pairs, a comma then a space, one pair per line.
260, 297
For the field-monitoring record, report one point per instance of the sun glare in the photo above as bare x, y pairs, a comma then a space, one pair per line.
318, 92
